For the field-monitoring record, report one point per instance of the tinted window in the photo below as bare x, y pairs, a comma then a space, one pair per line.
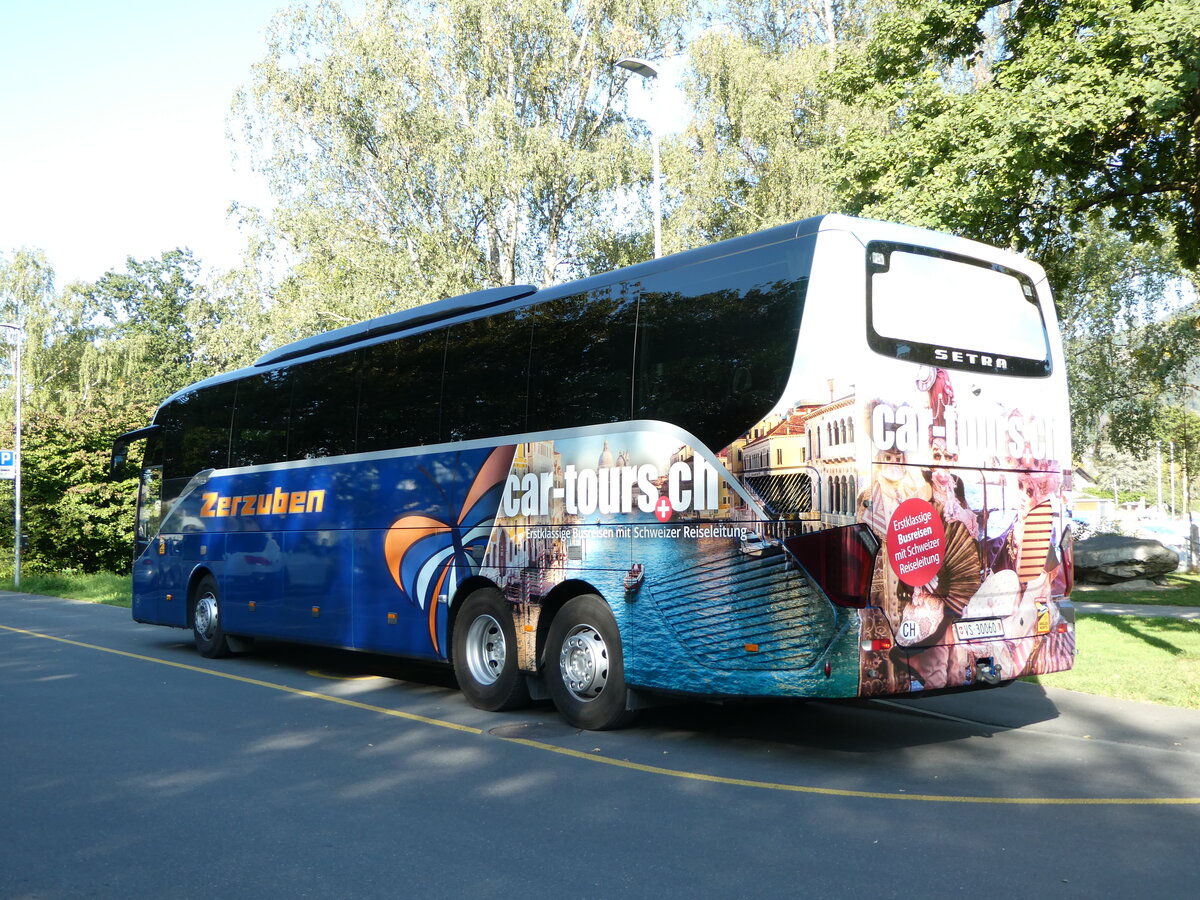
196, 431
260, 419
581, 363
401, 383
149, 508
324, 407
716, 339
483, 391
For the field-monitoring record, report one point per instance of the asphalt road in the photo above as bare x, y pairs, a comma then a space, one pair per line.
131, 766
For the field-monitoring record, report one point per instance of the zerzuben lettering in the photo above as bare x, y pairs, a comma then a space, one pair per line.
277, 503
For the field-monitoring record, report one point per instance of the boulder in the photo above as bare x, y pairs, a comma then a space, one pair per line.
1113, 558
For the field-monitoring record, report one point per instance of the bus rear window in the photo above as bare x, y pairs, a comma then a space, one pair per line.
947, 310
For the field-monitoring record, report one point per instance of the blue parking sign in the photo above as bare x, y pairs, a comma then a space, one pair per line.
7, 464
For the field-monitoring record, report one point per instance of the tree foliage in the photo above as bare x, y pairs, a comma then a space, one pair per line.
74, 516
764, 144
96, 360
1017, 120
421, 151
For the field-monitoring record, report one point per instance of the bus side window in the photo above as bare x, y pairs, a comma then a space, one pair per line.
260, 419
324, 407
581, 362
149, 503
716, 340
195, 434
401, 389
150, 489
486, 375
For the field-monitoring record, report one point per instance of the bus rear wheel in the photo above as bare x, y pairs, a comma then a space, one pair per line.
485, 654
585, 670
210, 638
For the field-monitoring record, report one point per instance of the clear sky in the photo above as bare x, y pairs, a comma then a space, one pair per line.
113, 128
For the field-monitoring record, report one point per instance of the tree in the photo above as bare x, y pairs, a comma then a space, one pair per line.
764, 144
1014, 122
425, 150
1122, 348
155, 309
74, 516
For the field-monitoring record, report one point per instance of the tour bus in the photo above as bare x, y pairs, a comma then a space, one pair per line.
825, 460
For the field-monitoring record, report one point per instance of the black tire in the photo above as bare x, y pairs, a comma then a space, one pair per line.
584, 666
210, 637
485, 654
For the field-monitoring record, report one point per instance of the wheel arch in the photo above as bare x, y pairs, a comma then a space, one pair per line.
461, 593
198, 574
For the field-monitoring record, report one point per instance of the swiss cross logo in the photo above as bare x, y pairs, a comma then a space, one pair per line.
663, 510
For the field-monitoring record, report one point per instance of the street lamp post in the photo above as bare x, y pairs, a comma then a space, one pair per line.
650, 73
16, 329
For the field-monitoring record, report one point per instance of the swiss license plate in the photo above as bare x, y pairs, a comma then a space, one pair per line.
978, 629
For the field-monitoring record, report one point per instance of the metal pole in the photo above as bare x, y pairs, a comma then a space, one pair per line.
1158, 448
648, 71
657, 191
1172, 448
17, 481
17, 462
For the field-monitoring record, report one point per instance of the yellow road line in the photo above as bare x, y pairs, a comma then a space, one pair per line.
871, 795
626, 764
312, 695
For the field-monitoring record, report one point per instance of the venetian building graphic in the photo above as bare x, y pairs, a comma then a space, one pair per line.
774, 468
833, 448
526, 550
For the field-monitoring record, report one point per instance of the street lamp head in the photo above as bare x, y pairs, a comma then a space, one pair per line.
638, 66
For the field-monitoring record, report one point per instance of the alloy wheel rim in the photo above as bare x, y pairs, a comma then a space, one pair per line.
583, 662
486, 650
206, 616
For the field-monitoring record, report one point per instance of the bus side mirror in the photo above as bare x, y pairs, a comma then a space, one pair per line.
120, 450
116, 466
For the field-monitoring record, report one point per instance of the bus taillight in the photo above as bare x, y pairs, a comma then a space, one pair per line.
840, 560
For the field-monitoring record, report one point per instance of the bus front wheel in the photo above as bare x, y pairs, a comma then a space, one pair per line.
585, 671
211, 640
485, 654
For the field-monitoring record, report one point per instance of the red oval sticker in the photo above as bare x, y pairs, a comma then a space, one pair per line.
916, 542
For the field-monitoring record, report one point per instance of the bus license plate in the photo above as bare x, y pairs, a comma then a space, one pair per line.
979, 629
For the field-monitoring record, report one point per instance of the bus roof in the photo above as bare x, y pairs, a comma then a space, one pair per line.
397, 321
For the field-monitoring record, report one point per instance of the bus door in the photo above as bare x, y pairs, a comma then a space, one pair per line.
317, 593
146, 565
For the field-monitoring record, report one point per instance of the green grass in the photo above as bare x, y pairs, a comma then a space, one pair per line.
1183, 590
103, 587
1151, 659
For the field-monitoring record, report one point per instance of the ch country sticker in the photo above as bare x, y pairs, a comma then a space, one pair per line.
278, 503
